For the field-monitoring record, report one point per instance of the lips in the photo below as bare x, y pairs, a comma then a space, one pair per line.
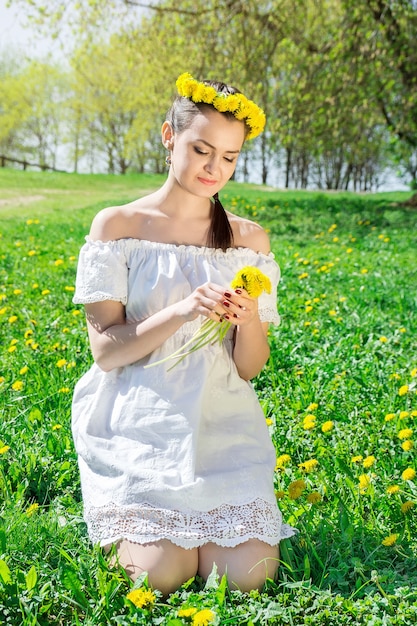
207, 181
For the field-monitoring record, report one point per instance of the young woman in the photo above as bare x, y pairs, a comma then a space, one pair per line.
176, 464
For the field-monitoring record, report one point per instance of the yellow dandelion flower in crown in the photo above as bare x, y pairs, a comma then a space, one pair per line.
239, 105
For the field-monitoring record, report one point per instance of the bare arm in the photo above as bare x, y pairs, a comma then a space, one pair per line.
116, 342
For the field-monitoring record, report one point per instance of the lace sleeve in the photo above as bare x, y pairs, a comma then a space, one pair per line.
101, 273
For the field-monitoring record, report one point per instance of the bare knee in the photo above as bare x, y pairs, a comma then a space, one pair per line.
247, 566
168, 566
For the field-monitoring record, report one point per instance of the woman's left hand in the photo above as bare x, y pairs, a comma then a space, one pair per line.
241, 308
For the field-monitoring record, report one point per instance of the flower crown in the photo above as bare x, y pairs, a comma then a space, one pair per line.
236, 103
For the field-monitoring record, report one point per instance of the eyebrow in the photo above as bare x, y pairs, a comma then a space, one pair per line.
214, 148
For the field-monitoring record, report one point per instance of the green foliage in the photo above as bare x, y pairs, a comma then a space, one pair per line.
346, 343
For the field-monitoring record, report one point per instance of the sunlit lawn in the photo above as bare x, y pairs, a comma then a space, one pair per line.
339, 395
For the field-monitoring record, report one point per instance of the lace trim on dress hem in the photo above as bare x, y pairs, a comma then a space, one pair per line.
228, 525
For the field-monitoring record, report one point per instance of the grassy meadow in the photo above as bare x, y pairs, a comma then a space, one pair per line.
339, 395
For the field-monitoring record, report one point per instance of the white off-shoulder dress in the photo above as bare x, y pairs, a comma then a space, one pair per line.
184, 454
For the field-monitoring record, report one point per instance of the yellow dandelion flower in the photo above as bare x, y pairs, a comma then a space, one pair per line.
308, 424
142, 598
187, 612
4, 449
61, 363
369, 461
332, 228
56, 427
24, 370
392, 489
414, 372
327, 426
296, 488
45, 292
303, 275
364, 271
308, 308
279, 495
405, 433
28, 333
356, 459
252, 280
364, 482
403, 390
390, 540
312, 407
31, 252
413, 413
282, 460
332, 312
76, 312
12, 348
17, 385
403, 414
64, 390
408, 474
308, 466
389, 417
12, 319
314, 497
383, 339
395, 376
203, 618
269, 422
69, 288
2, 379
17, 292
407, 506
32, 509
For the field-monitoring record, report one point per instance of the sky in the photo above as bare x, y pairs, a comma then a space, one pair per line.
13, 33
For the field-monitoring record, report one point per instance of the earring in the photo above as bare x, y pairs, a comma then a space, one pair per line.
168, 160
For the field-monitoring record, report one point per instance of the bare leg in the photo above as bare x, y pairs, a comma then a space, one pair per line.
247, 565
168, 565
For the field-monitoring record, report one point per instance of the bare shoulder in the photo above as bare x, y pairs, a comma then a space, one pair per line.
249, 234
116, 222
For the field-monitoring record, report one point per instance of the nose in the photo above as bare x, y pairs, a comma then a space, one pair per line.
212, 165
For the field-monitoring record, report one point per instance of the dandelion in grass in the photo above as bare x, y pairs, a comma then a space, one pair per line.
403, 390
389, 417
407, 506
390, 540
249, 278
12, 319
327, 426
407, 445
405, 433
403, 415
17, 385
296, 488
31, 510
414, 372
356, 459
408, 474
203, 618
283, 460
392, 489
314, 497
308, 466
61, 363
369, 461
186, 613
309, 422
4, 449
364, 483
279, 494
142, 598
24, 370
312, 406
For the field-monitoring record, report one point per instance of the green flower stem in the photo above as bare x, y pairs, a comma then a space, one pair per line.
208, 333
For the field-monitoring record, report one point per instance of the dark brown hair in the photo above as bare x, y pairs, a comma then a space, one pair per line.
180, 116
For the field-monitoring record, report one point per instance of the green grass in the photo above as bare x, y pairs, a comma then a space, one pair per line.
346, 343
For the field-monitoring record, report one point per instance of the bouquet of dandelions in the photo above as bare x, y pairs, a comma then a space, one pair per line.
249, 278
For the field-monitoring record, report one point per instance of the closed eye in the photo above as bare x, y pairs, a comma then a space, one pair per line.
199, 151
